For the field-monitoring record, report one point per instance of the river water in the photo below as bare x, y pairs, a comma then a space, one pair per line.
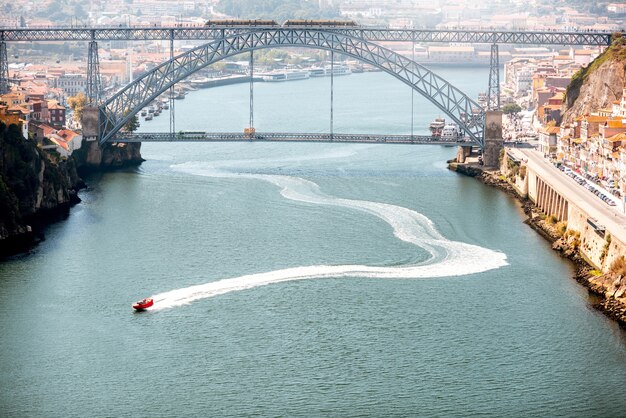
301, 279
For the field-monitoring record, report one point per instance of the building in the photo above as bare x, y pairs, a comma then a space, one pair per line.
72, 84
548, 140
57, 113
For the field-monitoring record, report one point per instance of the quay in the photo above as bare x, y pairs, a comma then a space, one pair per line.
602, 228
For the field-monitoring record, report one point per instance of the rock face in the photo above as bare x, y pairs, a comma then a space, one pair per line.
35, 186
92, 157
598, 85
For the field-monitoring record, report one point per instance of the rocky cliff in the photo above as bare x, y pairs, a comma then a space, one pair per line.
38, 186
92, 156
35, 186
598, 85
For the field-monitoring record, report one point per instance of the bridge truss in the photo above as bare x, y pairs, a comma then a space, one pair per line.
280, 137
370, 34
448, 99
116, 111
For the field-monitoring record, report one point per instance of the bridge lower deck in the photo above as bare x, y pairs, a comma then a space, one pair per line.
284, 137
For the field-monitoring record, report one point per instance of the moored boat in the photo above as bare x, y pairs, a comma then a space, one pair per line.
317, 72
436, 127
143, 304
288, 75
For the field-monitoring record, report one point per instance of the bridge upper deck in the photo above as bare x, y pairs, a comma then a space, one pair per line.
141, 33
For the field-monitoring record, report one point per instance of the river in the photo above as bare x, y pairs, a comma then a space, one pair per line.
302, 279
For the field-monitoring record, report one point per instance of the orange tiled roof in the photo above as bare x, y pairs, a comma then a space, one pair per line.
54, 105
615, 123
617, 138
67, 135
60, 143
596, 119
47, 129
18, 109
552, 130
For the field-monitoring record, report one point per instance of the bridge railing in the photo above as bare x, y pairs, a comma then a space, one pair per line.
196, 136
488, 36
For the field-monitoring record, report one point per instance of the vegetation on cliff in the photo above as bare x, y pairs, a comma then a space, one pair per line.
597, 85
34, 184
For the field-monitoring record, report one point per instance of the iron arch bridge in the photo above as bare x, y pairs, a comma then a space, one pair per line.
119, 109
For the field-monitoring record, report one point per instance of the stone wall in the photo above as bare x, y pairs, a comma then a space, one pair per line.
600, 249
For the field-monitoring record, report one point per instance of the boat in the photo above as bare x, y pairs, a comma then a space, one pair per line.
482, 99
143, 304
338, 70
450, 132
286, 75
207, 82
317, 72
436, 127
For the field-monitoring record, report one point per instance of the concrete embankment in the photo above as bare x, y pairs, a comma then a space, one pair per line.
568, 221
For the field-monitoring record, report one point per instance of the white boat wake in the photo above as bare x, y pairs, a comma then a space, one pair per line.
447, 258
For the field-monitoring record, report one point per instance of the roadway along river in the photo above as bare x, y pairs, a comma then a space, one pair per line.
301, 279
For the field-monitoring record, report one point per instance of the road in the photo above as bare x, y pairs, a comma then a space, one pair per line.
610, 217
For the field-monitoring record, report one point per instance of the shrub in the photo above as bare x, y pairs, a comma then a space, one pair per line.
522, 172
618, 266
561, 227
551, 219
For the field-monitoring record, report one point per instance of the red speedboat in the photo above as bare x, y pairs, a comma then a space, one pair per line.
143, 304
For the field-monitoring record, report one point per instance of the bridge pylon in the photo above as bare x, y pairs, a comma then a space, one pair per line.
94, 82
4, 68
493, 93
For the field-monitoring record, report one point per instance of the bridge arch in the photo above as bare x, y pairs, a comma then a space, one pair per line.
115, 112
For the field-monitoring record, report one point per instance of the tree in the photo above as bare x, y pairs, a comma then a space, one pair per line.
511, 109
77, 104
132, 124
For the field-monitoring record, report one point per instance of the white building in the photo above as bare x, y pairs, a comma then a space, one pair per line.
72, 84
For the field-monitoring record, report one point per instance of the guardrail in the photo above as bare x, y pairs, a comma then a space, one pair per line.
282, 137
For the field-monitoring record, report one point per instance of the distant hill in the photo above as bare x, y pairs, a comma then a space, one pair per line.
599, 84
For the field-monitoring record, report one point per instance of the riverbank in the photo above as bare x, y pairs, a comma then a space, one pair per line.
603, 286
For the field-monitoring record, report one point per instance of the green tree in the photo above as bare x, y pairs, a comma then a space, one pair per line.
511, 109
132, 124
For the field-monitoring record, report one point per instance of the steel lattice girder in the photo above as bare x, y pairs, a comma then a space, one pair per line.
463, 110
372, 34
278, 137
4, 68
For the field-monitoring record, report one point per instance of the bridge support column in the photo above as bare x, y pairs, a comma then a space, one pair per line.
172, 93
493, 138
332, 90
94, 83
493, 93
4, 68
463, 152
251, 126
